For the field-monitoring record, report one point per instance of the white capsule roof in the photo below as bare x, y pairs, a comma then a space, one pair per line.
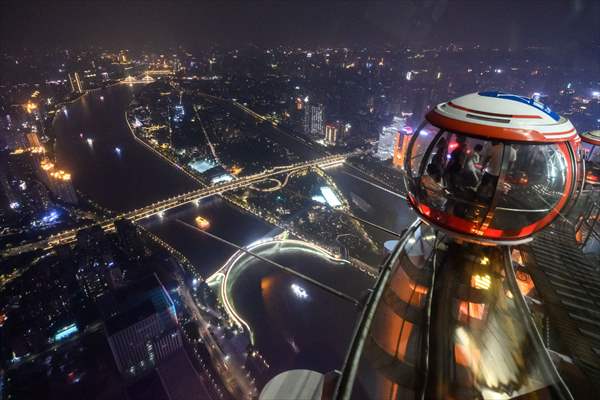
502, 116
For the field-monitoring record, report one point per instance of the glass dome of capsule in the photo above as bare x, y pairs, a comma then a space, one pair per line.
491, 167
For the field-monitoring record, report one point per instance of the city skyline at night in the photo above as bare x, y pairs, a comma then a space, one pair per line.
284, 200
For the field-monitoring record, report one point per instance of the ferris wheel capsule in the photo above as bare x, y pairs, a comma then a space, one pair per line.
591, 156
491, 167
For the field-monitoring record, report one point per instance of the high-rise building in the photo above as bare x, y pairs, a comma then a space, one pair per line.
76, 83
387, 138
62, 187
145, 331
400, 146
58, 181
130, 241
11, 133
24, 191
33, 140
94, 259
313, 119
331, 133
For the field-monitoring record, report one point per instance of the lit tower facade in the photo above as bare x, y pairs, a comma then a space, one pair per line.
145, 330
331, 134
388, 137
58, 181
313, 119
401, 144
76, 83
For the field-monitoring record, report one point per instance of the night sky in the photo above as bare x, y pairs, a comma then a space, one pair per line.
118, 24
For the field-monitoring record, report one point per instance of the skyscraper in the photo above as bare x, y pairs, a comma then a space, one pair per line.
33, 140
62, 186
130, 240
313, 119
58, 181
331, 133
145, 330
12, 133
400, 146
387, 138
94, 259
76, 84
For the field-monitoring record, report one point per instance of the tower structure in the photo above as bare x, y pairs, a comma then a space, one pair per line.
447, 317
388, 138
313, 119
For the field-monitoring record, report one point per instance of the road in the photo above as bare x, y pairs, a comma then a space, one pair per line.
206, 137
234, 377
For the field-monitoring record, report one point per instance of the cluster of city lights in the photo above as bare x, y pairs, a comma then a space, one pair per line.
299, 291
483, 281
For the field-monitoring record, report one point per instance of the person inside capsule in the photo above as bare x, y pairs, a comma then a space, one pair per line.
592, 163
486, 183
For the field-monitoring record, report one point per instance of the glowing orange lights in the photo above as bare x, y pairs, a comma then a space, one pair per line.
483, 281
47, 165
525, 283
202, 223
30, 107
61, 175
34, 149
471, 310
235, 170
58, 174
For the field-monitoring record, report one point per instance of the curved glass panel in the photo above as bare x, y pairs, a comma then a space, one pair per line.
592, 163
419, 146
533, 182
489, 188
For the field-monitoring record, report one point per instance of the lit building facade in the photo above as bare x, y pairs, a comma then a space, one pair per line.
94, 259
313, 119
76, 83
145, 331
387, 138
20, 186
400, 146
58, 181
331, 134
33, 140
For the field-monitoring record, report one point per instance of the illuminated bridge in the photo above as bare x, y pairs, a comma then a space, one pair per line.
144, 78
160, 207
